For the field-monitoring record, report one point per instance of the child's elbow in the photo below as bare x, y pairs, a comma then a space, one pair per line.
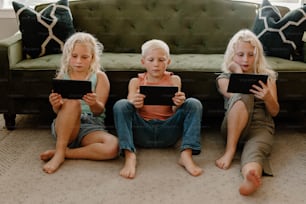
275, 111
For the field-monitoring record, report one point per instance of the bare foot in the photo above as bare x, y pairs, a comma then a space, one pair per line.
225, 161
251, 183
129, 169
47, 155
52, 165
187, 162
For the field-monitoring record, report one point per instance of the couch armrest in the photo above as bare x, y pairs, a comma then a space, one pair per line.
10, 52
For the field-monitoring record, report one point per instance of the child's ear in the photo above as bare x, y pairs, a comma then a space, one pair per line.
169, 61
142, 61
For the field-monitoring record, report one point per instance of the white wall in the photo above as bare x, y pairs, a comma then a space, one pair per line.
8, 23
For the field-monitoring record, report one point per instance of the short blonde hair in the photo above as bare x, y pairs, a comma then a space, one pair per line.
83, 38
154, 44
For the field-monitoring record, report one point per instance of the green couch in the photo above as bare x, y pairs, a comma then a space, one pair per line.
196, 31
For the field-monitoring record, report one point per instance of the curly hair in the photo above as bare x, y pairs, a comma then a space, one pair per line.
83, 38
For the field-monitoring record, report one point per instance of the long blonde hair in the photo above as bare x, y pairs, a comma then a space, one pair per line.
84, 38
261, 66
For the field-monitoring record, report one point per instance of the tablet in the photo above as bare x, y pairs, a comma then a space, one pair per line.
242, 83
158, 95
72, 89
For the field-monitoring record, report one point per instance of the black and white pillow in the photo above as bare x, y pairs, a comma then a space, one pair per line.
44, 32
281, 36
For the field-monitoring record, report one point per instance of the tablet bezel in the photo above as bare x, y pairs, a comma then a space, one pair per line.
158, 95
71, 89
242, 83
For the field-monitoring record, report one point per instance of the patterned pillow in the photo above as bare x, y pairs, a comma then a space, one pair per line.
281, 36
44, 32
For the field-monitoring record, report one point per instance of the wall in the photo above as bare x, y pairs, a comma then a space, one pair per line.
8, 23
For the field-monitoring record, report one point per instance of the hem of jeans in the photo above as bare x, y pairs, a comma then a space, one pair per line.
195, 150
121, 151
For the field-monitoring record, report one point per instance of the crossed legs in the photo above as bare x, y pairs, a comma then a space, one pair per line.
67, 124
97, 145
103, 146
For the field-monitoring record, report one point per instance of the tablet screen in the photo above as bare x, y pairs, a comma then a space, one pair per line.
242, 83
158, 95
72, 89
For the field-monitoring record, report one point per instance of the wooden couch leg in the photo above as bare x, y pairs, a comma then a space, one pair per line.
10, 121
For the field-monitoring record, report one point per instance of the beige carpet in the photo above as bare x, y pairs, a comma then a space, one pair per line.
159, 178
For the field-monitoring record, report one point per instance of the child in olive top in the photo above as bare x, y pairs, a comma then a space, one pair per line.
248, 121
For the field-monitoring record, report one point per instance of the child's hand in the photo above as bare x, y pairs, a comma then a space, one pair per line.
56, 101
179, 98
90, 98
138, 100
234, 68
262, 92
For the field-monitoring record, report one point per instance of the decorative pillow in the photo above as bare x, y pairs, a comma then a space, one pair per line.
44, 32
281, 36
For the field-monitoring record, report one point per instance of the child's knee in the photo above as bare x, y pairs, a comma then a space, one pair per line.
194, 104
121, 104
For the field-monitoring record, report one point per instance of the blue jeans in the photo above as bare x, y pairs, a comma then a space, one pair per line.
133, 130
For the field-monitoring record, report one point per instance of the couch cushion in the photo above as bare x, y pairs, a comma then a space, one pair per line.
48, 62
44, 32
179, 62
284, 65
131, 62
281, 36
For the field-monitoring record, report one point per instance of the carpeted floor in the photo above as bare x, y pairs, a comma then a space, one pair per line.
159, 178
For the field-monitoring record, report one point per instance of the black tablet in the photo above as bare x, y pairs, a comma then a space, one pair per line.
242, 83
158, 95
72, 89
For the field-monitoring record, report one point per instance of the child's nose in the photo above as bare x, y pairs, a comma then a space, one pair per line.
79, 59
245, 58
156, 63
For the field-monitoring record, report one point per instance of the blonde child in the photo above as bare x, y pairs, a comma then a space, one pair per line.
157, 126
79, 125
248, 121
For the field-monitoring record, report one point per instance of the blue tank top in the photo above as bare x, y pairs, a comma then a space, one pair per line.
84, 107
